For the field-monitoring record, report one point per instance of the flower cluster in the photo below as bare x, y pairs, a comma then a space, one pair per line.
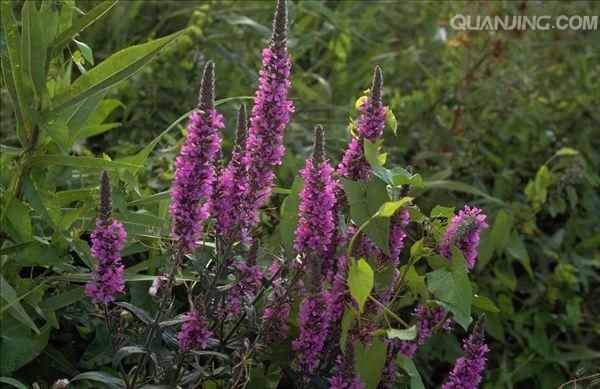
315, 229
228, 203
345, 378
467, 370
107, 243
464, 234
370, 126
194, 168
313, 321
270, 113
251, 278
428, 320
194, 332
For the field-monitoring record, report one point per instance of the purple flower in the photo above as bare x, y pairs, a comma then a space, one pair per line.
427, 320
313, 321
464, 234
194, 332
250, 281
345, 378
467, 370
107, 242
278, 306
270, 114
316, 226
397, 235
194, 168
370, 126
229, 201
158, 283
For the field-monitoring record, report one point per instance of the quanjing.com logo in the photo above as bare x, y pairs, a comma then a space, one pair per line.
522, 22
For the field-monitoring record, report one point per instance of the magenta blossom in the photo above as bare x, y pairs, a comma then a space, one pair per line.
316, 226
466, 373
194, 168
229, 201
313, 321
464, 234
194, 332
354, 166
107, 242
270, 114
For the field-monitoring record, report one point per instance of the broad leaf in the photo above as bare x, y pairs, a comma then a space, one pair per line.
360, 281
289, 215
82, 23
364, 205
113, 70
369, 362
411, 370
452, 286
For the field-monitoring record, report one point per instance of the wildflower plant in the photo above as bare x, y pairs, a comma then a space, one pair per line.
367, 279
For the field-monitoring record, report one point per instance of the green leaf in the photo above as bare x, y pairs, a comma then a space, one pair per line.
419, 250
390, 121
11, 301
64, 299
20, 95
93, 130
349, 315
516, 248
405, 334
485, 303
17, 222
372, 157
113, 70
78, 162
86, 51
289, 215
101, 376
125, 352
369, 362
453, 286
409, 367
34, 49
364, 205
13, 382
566, 151
438, 210
18, 345
501, 230
415, 281
137, 311
389, 208
360, 281
461, 187
82, 23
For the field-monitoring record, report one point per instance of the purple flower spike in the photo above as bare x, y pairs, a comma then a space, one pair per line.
370, 126
270, 114
251, 278
107, 242
313, 321
317, 201
468, 368
229, 202
194, 332
464, 234
194, 168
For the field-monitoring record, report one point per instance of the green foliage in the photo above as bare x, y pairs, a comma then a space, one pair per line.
360, 281
503, 120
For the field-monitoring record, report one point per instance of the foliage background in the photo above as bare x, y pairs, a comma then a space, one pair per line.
487, 109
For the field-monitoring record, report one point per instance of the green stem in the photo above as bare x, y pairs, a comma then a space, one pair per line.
392, 314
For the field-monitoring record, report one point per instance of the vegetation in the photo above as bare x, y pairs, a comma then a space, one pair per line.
505, 121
